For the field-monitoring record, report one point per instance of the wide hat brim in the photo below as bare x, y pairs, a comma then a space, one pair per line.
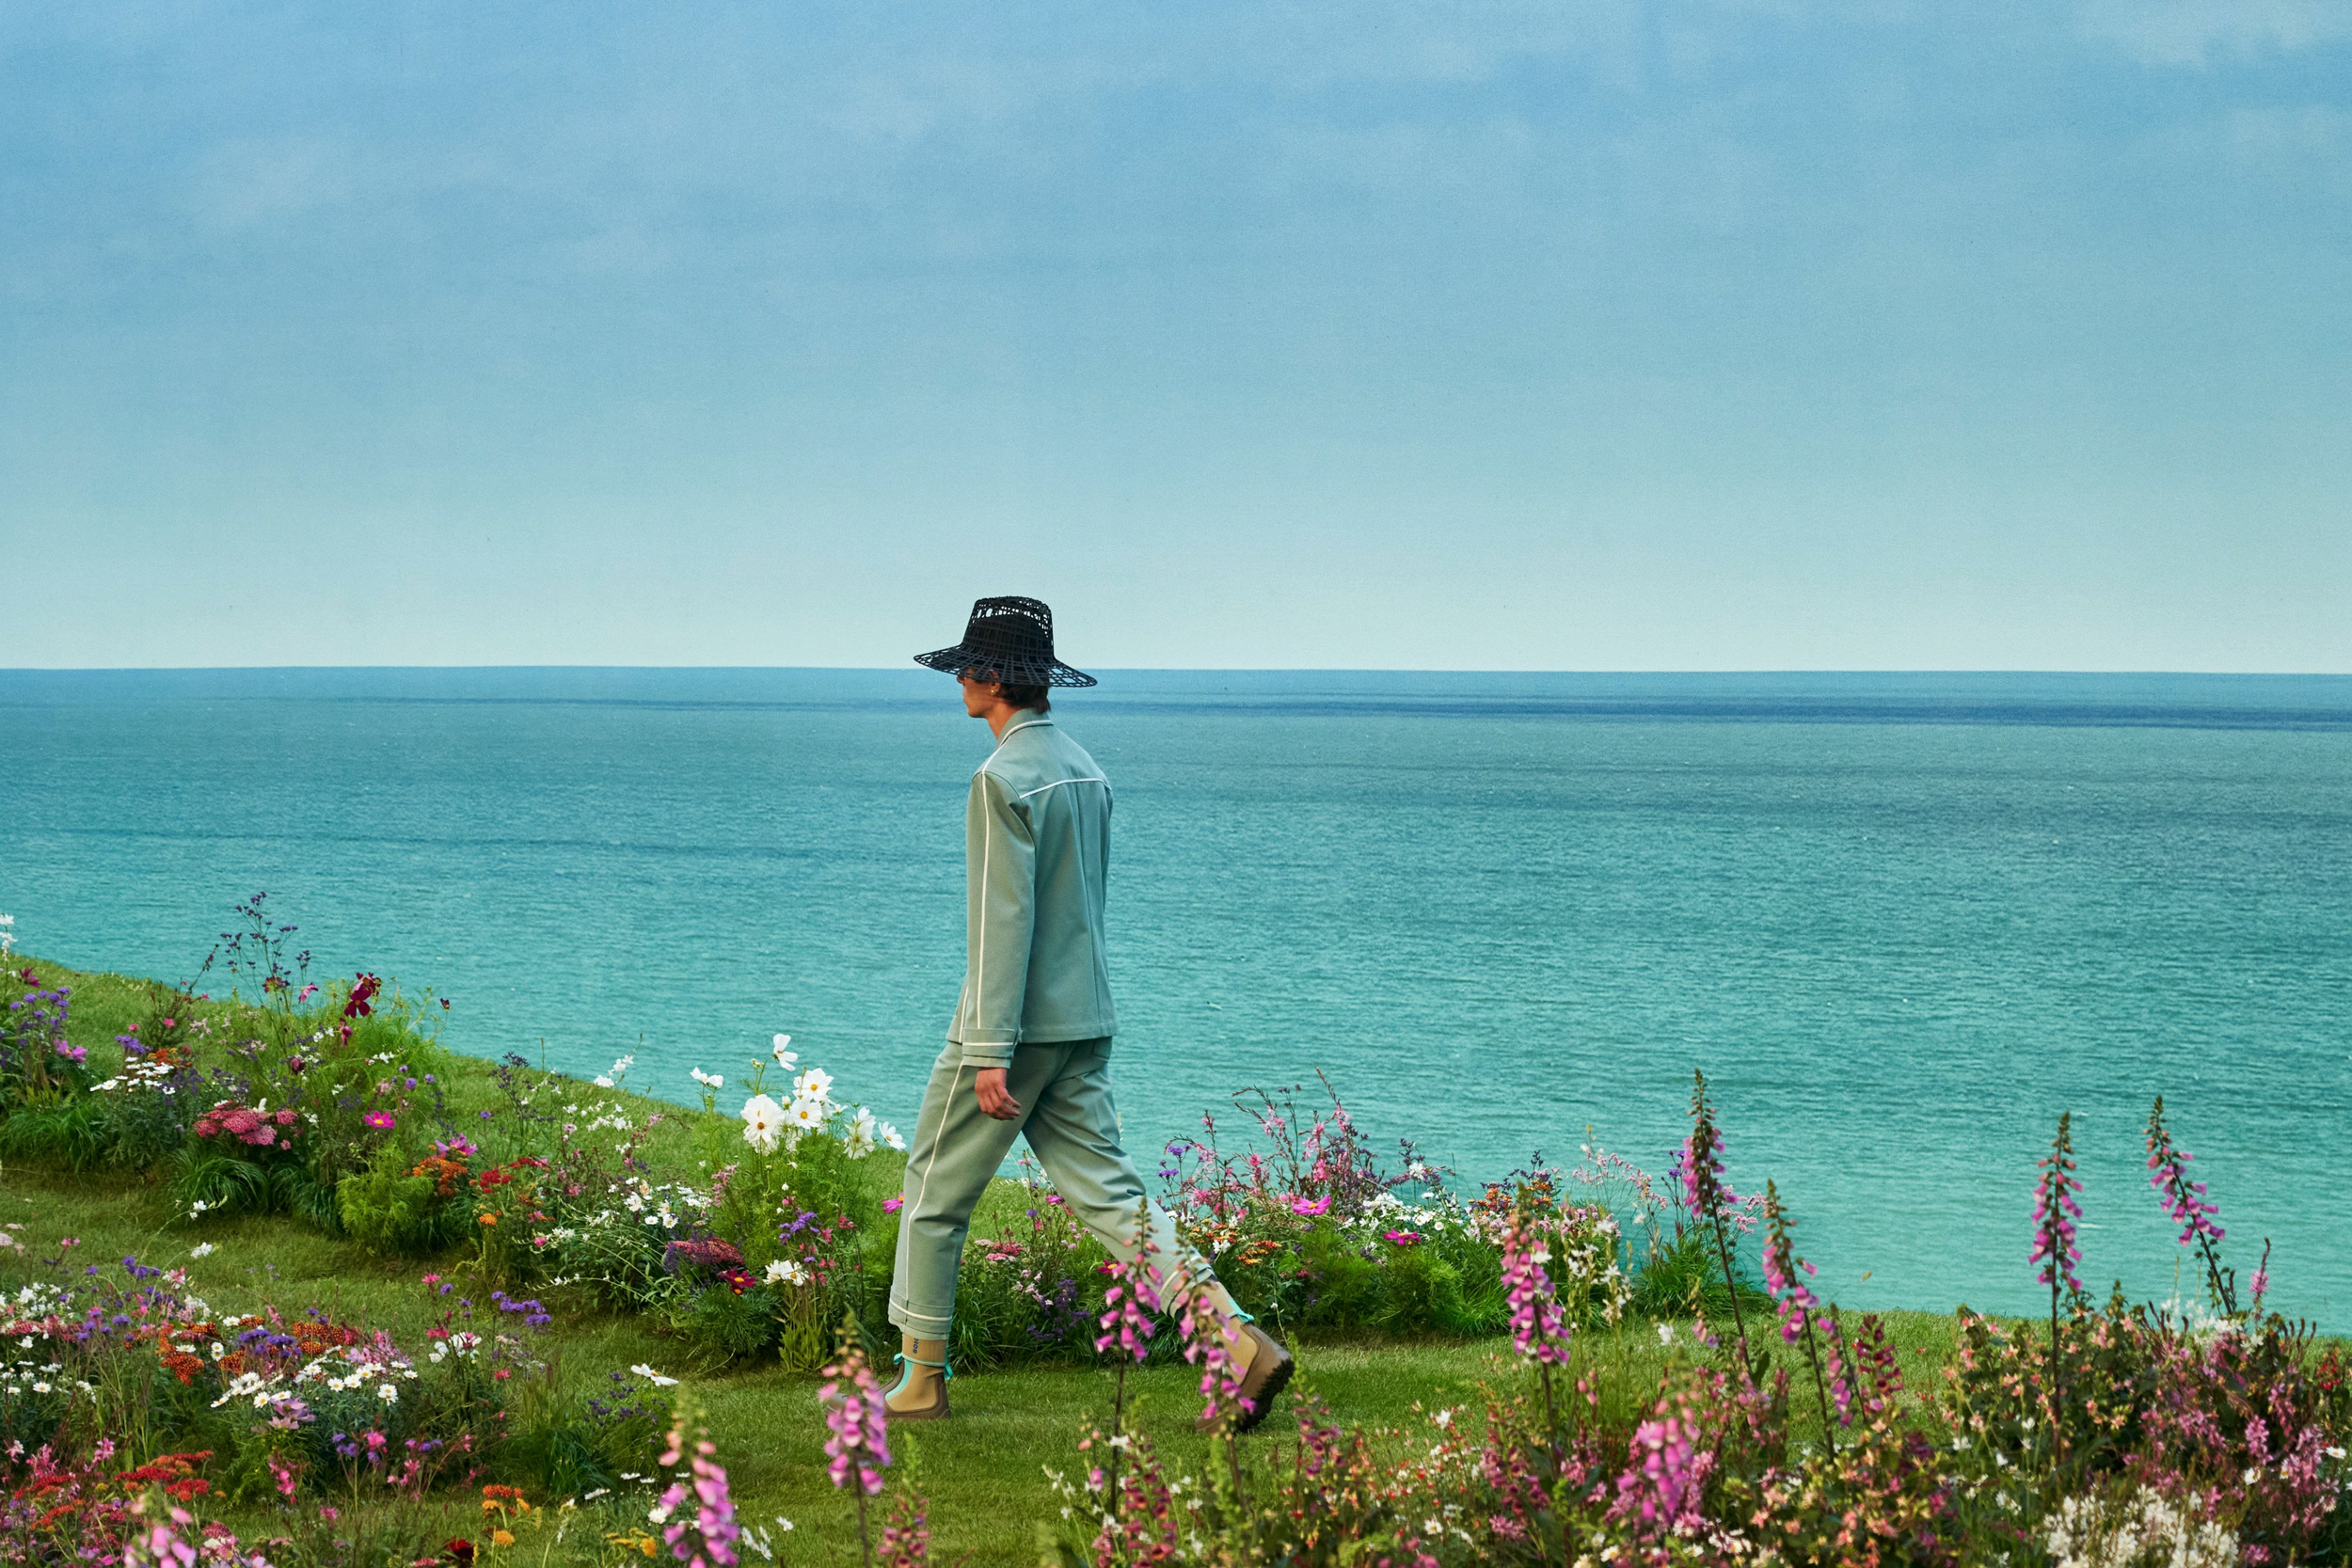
1012, 667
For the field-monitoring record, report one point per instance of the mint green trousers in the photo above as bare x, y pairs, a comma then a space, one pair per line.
1067, 1115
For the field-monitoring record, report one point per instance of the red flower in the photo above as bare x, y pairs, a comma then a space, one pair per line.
362, 1002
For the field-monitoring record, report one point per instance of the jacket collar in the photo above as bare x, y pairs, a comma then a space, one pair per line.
1011, 730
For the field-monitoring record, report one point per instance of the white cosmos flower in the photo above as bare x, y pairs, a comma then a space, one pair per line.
763, 1122
202, 1249
860, 1135
389, 1394
805, 1114
890, 1137
784, 1271
708, 1080
786, 1059
641, 1369
816, 1083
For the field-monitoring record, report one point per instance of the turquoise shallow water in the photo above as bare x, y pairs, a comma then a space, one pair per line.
1902, 920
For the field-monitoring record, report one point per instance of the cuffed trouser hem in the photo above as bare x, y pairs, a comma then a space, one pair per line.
923, 1325
1068, 1116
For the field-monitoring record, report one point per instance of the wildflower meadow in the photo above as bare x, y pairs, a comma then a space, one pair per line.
361, 1300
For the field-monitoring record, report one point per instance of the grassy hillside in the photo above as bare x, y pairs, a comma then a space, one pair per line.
1624, 1423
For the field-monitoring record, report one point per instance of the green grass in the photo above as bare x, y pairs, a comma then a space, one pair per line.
985, 1470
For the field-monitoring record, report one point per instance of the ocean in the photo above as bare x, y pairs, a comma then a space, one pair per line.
1901, 921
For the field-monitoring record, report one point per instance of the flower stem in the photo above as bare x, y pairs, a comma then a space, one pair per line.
1820, 1389
1731, 1288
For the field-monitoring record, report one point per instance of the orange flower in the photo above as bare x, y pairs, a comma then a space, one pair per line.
489, 1219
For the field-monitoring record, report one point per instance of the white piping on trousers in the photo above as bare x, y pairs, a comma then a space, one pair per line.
946, 1110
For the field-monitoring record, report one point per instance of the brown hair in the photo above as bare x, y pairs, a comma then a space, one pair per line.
1037, 697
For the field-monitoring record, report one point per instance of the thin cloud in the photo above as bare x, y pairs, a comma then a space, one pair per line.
2206, 32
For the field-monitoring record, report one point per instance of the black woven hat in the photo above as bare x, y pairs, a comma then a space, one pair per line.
1008, 640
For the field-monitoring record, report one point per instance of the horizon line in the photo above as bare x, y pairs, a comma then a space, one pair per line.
1199, 669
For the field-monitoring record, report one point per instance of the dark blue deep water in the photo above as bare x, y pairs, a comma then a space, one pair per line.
1902, 920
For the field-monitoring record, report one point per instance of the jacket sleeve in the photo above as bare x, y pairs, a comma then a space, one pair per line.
1000, 868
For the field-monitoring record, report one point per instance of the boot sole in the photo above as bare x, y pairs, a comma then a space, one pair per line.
1261, 1402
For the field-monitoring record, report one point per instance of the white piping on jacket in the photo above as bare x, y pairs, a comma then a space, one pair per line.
980, 965
1058, 783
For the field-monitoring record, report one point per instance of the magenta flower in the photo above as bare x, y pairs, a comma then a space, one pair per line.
1665, 1475
1202, 1332
1401, 1238
2055, 1212
858, 1421
2186, 1202
1128, 1303
1711, 1201
892, 1205
1781, 1268
1311, 1208
381, 1120
1538, 1330
703, 1536
906, 1539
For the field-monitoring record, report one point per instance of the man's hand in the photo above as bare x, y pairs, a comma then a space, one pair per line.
996, 1098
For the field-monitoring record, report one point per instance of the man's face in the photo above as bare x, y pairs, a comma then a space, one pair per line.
979, 695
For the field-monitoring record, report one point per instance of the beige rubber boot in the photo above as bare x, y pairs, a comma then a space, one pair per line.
921, 1394
1239, 1342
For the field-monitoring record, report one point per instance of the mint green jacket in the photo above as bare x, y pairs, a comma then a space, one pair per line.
1037, 852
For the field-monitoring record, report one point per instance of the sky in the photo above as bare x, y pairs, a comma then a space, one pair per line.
1586, 335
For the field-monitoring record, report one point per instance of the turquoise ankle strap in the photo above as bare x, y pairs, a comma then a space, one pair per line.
905, 1360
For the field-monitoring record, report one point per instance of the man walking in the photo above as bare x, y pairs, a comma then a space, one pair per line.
1028, 1053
